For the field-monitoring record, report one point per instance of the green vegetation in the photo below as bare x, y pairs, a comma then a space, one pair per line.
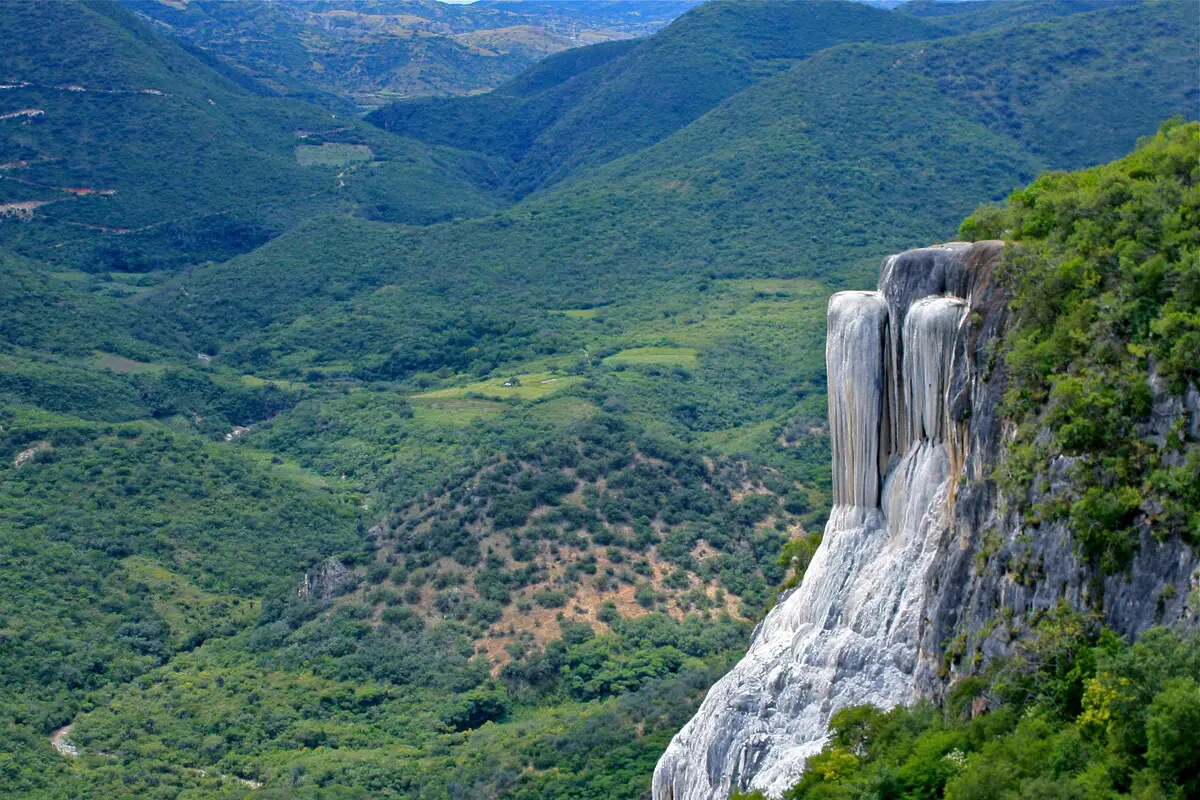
984, 14
404, 712
577, 313
125, 366
674, 356
641, 96
148, 157
647, 530
1104, 269
1106, 291
1076, 713
123, 545
452, 411
529, 386
329, 154
727, 196
271, 514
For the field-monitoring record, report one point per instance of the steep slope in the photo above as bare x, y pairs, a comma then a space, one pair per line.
951, 546
664, 83
374, 52
907, 130
121, 151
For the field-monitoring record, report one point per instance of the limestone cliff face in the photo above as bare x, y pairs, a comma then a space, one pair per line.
914, 388
991, 564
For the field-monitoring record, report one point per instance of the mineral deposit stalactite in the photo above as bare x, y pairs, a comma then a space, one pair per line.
929, 331
913, 556
849, 634
857, 333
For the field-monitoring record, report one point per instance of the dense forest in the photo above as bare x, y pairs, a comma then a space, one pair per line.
455, 450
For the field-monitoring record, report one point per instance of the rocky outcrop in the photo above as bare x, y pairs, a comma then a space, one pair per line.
920, 546
994, 569
326, 580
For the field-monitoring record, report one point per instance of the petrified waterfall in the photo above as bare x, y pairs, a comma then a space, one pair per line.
849, 635
857, 324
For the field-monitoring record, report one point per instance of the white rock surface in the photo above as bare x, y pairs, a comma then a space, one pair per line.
849, 635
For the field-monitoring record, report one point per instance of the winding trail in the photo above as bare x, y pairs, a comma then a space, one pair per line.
60, 742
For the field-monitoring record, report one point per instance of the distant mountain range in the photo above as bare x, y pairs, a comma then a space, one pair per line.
374, 51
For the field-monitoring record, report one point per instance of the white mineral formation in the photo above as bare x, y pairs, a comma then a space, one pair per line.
849, 634
858, 327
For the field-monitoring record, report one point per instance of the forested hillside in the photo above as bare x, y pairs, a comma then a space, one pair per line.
916, 134
973, 15
458, 456
647, 93
123, 152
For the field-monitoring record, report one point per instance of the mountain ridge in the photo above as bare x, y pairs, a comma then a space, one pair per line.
361, 54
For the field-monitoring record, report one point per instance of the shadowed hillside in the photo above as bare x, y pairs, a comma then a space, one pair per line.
122, 151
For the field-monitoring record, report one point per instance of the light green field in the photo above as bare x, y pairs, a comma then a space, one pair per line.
534, 386
577, 313
672, 356
122, 365
254, 380
285, 468
331, 368
562, 411
331, 155
437, 411
744, 439
182, 604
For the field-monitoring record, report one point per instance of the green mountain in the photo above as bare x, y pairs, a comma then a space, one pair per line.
641, 96
124, 152
916, 133
974, 15
592, 111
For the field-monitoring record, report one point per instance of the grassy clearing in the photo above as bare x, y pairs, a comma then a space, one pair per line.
767, 312
672, 356
332, 155
186, 608
577, 313
436, 411
562, 411
125, 366
743, 439
280, 383
284, 468
531, 386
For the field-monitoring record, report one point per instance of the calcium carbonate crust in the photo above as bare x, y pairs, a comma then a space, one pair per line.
914, 390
